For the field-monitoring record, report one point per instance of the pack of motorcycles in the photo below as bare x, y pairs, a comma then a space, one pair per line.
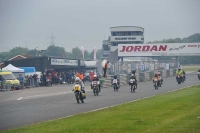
80, 96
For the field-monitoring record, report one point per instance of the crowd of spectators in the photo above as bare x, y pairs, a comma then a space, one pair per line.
55, 77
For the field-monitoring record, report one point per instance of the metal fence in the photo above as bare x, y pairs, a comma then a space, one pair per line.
27, 83
125, 67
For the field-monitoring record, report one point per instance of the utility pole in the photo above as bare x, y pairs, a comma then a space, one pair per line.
52, 39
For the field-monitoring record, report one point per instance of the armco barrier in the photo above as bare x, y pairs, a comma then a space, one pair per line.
141, 77
123, 80
171, 72
167, 73
107, 82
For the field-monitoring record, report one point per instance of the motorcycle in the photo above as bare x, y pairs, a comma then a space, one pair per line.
115, 84
132, 83
198, 74
161, 81
78, 94
60, 80
95, 86
155, 81
183, 78
48, 82
179, 79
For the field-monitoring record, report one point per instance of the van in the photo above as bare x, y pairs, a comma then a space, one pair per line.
8, 78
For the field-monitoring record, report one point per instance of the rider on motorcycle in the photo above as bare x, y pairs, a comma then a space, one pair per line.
95, 78
180, 73
79, 81
160, 76
115, 77
183, 74
156, 77
133, 77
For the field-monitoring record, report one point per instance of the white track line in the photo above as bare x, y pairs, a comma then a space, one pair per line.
45, 95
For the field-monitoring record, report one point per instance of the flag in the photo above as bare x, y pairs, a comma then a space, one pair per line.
94, 53
82, 49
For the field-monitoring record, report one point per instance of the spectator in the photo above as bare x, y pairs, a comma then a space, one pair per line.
21, 79
105, 68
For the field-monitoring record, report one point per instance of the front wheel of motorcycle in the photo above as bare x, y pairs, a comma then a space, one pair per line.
77, 98
94, 92
82, 101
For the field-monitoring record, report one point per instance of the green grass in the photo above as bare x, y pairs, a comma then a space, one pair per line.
175, 112
191, 69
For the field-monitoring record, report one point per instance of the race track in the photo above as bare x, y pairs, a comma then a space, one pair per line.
25, 107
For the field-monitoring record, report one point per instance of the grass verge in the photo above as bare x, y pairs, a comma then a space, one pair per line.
191, 68
174, 112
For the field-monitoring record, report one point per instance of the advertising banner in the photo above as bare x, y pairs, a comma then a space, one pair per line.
165, 49
64, 62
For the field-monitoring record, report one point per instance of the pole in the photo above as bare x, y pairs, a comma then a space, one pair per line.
0, 64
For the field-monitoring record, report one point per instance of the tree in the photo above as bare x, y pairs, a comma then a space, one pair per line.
53, 50
99, 54
75, 54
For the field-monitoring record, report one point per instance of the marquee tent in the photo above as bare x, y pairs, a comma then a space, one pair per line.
12, 68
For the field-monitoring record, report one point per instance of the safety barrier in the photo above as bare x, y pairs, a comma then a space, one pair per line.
30, 83
141, 77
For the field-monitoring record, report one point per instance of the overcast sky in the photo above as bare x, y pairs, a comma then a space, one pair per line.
29, 23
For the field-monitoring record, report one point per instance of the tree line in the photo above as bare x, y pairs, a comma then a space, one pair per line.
52, 50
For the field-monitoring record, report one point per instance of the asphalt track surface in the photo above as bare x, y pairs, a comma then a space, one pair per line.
29, 106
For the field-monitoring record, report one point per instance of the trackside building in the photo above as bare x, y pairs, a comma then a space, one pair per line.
122, 35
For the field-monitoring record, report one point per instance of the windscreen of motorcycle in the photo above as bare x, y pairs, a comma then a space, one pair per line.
77, 87
132, 80
114, 81
94, 83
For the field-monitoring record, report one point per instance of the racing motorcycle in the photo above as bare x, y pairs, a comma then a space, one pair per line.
115, 85
48, 82
95, 86
132, 83
179, 79
198, 74
79, 95
155, 82
161, 80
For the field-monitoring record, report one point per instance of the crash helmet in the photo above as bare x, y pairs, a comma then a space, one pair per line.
115, 76
132, 75
77, 79
95, 76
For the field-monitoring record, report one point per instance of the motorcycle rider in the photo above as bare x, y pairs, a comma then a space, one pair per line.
183, 74
156, 77
160, 77
133, 77
95, 78
78, 81
198, 73
179, 72
115, 77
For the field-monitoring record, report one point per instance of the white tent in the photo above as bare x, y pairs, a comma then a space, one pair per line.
12, 68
